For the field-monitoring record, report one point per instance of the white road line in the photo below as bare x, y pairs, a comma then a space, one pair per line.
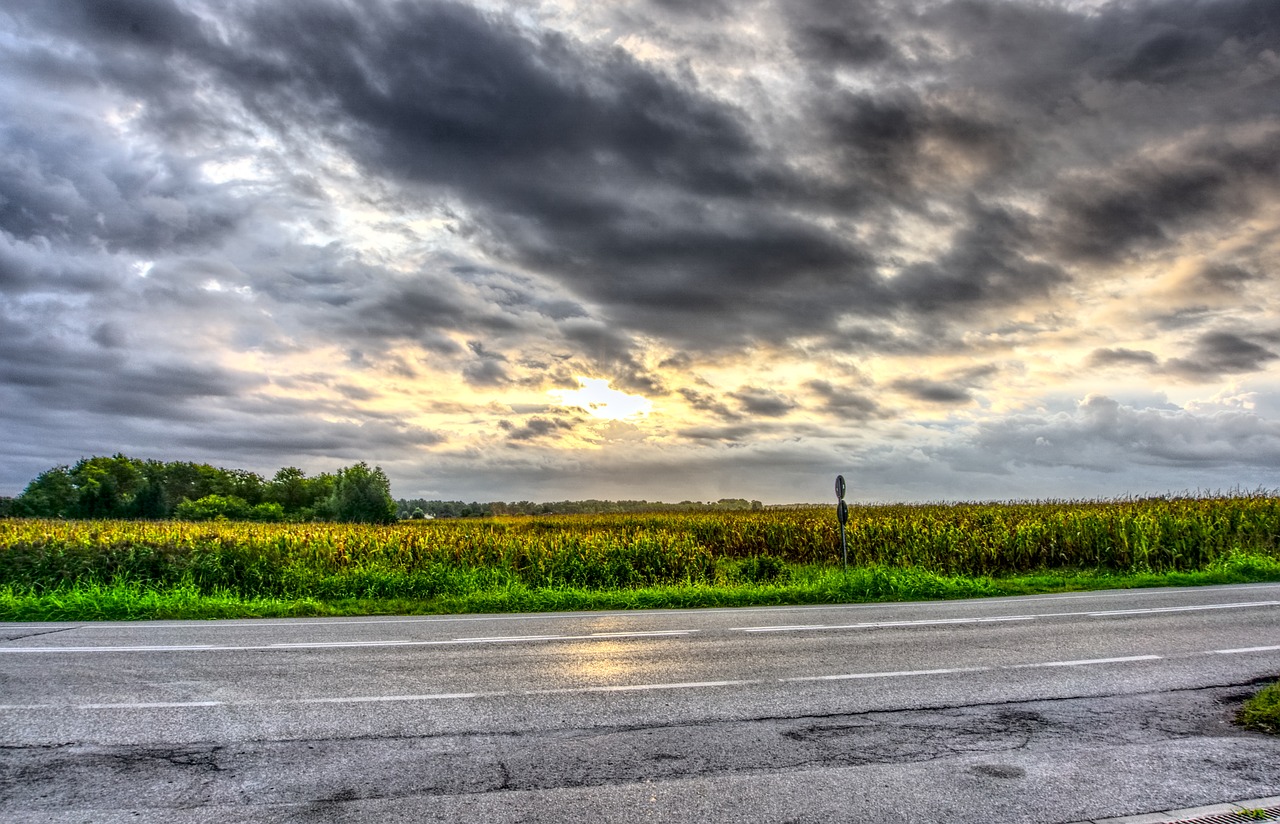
684, 685
154, 705
507, 639
304, 645
1085, 662
852, 676
1001, 618
380, 699
1197, 608
1242, 650
876, 624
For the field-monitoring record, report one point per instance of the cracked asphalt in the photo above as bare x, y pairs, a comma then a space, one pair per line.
1049, 709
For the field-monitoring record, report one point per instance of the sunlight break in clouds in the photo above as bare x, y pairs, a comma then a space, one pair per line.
952, 249
595, 397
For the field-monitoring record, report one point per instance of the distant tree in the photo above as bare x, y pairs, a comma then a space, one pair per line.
362, 495
213, 507
50, 495
6, 506
289, 489
106, 487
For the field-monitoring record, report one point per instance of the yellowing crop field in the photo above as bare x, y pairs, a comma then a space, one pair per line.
422, 559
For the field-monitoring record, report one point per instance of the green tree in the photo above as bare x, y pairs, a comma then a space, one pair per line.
289, 488
362, 495
213, 507
49, 495
106, 487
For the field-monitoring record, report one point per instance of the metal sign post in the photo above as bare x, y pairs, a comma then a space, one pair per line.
842, 514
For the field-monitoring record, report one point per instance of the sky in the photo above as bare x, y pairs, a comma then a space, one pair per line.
648, 249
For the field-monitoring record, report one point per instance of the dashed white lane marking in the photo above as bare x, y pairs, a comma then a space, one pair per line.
875, 624
1086, 662
896, 674
381, 699
152, 705
1240, 650
676, 685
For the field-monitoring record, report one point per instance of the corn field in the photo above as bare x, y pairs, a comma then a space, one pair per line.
426, 558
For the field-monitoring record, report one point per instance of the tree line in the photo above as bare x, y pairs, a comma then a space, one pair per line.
124, 487
422, 508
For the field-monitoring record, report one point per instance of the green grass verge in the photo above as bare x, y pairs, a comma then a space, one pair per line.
1262, 711
801, 585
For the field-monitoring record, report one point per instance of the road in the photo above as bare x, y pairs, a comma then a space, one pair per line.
1037, 709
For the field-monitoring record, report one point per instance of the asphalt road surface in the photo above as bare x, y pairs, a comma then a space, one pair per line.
1038, 709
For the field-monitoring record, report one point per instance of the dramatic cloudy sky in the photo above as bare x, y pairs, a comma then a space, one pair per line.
663, 249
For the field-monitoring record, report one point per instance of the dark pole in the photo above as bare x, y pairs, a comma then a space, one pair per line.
842, 514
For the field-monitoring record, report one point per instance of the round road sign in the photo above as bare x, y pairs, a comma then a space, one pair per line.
839, 487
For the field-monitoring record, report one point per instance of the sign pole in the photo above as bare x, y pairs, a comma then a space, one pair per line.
842, 514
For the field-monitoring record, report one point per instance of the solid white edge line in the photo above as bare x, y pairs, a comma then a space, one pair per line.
1192, 608
303, 645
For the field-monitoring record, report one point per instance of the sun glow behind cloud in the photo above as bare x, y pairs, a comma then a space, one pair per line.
597, 398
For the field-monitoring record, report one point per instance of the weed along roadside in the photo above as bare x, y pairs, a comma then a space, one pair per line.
87, 570
1262, 711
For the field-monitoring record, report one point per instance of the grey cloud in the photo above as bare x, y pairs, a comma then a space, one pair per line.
764, 402
1105, 436
932, 391
309, 436
1105, 216
733, 434
1219, 353
708, 402
845, 402
1226, 276
1121, 357
536, 427
988, 264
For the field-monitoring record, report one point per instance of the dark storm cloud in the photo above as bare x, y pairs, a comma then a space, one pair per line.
1104, 216
1220, 353
987, 264
839, 34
